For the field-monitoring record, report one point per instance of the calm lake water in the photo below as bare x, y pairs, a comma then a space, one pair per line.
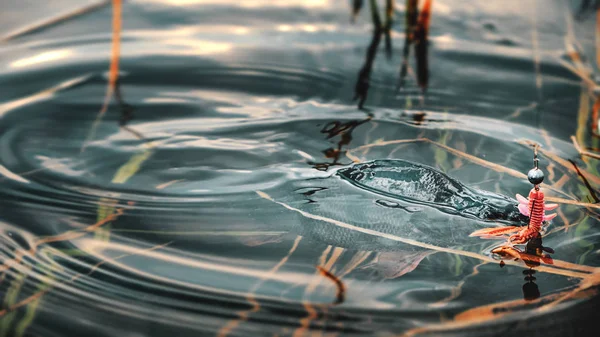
220, 208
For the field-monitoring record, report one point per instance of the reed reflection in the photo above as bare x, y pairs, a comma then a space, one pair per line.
533, 256
416, 35
344, 131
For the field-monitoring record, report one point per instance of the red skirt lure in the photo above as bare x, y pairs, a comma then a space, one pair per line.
535, 208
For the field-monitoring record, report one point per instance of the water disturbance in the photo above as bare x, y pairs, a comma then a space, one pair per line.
289, 168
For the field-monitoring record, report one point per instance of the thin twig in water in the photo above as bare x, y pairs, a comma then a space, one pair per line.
56, 20
113, 70
572, 202
587, 184
582, 151
341, 289
564, 163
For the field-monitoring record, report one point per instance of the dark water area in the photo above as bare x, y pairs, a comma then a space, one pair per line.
221, 192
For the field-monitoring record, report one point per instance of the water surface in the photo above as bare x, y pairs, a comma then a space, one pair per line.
220, 210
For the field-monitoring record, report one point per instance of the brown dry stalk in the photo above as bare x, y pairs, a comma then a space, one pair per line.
113, 69
586, 183
580, 73
341, 288
582, 151
311, 309
561, 182
572, 202
563, 162
496, 231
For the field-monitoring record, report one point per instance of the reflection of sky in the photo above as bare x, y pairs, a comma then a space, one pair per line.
17, 14
245, 3
60, 165
44, 57
11, 175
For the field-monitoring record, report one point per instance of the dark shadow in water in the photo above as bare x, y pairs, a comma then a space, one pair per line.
361, 88
586, 9
533, 254
531, 291
344, 130
356, 7
421, 43
534, 247
309, 191
410, 26
416, 31
387, 30
126, 111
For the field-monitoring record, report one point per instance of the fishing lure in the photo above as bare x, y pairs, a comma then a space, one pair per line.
533, 207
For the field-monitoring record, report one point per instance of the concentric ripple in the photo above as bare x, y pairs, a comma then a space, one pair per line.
218, 208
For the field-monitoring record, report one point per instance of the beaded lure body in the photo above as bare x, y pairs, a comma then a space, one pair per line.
535, 208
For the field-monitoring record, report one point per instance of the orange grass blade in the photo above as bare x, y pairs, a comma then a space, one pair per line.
582, 151
113, 69
341, 288
495, 231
